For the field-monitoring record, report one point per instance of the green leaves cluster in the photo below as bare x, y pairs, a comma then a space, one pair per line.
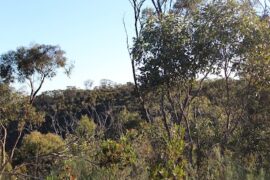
173, 47
117, 153
171, 162
21, 64
37, 144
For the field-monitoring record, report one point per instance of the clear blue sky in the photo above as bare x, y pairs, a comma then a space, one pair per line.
90, 31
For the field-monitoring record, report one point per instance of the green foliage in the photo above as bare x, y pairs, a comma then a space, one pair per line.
122, 122
14, 107
164, 51
41, 152
41, 144
86, 127
37, 59
33, 65
218, 166
170, 161
117, 153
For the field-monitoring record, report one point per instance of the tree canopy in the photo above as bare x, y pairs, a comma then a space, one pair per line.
34, 65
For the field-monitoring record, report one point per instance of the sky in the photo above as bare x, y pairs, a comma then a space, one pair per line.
91, 32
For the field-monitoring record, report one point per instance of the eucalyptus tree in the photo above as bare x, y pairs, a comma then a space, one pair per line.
240, 50
177, 49
170, 55
33, 65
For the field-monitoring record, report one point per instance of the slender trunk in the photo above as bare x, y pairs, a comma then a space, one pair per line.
3, 148
142, 101
137, 7
164, 118
15, 145
190, 149
183, 109
36, 165
227, 108
174, 112
34, 92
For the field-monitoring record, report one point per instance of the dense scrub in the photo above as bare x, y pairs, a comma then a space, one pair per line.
120, 144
